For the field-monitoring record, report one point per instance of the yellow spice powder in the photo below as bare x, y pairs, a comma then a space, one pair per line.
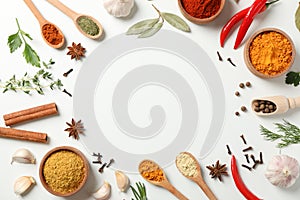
64, 171
270, 53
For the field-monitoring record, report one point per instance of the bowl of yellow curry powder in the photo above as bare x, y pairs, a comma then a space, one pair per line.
269, 53
64, 171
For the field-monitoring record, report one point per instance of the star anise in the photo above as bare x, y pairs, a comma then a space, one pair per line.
76, 51
217, 170
75, 128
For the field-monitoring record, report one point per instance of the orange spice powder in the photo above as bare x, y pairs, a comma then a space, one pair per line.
51, 34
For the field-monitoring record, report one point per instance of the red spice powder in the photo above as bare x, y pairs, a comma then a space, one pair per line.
51, 34
201, 8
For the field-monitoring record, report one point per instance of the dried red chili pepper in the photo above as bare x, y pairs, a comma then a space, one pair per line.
251, 14
235, 19
239, 182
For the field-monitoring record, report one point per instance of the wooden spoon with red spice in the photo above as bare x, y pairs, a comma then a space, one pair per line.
147, 166
55, 37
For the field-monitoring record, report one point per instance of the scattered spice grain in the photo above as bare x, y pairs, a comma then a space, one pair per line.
243, 108
230, 61
237, 113
248, 84
64, 171
219, 56
237, 93
242, 85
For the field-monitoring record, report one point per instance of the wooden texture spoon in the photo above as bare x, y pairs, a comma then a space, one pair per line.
75, 17
282, 103
198, 177
43, 22
149, 166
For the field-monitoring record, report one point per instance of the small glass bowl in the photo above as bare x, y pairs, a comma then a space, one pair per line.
55, 150
247, 58
196, 20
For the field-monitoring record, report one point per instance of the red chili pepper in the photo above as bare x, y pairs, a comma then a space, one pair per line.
253, 11
236, 18
239, 182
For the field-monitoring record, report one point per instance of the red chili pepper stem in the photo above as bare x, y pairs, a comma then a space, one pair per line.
253, 11
239, 182
235, 19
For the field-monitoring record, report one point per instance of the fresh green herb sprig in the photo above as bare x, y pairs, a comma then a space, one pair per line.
41, 80
149, 27
140, 192
16, 40
293, 78
290, 134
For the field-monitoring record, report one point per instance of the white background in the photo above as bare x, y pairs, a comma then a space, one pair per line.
280, 16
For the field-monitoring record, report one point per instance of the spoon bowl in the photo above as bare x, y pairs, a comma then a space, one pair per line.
43, 22
76, 16
197, 178
145, 166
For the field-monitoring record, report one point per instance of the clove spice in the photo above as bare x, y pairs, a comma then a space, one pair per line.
219, 56
110, 162
101, 169
243, 138
230, 61
248, 149
260, 158
228, 150
247, 167
247, 158
65, 91
67, 73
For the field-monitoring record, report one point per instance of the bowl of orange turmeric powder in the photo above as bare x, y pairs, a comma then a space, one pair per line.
269, 53
201, 11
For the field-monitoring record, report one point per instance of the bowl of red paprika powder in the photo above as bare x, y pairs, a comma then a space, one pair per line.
269, 53
201, 11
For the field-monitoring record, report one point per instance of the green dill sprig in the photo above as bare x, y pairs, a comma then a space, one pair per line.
140, 192
16, 40
40, 81
290, 134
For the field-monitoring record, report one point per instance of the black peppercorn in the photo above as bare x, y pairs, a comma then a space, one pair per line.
242, 85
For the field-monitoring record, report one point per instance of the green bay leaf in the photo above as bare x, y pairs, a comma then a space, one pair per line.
151, 31
176, 21
141, 26
297, 17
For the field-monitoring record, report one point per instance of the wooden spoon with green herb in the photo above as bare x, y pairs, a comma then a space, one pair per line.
197, 176
150, 167
87, 25
43, 22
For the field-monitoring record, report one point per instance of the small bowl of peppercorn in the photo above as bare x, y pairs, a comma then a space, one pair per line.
269, 53
63, 171
201, 11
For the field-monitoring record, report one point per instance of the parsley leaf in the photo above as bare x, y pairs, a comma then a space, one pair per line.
16, 40
292, 78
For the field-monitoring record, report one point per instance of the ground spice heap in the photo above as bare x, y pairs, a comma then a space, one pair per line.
88, 26
186, 165
201, 8
151, 171
64, 171
51, 34
270, 53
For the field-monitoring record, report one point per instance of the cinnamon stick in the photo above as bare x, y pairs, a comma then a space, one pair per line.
30, 114
23, 135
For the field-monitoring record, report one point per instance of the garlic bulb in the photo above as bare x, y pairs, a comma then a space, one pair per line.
122, 181
103, 192
23, 156
23, 184
282, 171
118, 8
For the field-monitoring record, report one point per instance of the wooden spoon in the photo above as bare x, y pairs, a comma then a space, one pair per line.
75, 17
164, 183
198, 178
283, 104
42, 22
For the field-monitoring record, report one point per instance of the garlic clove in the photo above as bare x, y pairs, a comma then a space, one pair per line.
23, 184
103, 192
282, 171
118, 8
23, 156
122, 181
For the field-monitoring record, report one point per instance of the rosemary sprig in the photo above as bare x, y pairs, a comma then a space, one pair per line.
41, 80
140, 192
290, 134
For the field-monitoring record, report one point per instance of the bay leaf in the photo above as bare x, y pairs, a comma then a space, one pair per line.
141, 26
297, 17
151, 31
176, 21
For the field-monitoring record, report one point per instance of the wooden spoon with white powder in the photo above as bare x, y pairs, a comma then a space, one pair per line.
189, 167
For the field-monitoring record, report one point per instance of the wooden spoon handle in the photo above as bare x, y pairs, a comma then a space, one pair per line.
35, 11
175, 192
206, 189
72, 14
